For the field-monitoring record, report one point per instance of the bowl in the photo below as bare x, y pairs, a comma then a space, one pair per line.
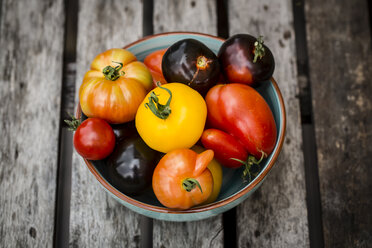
233, 190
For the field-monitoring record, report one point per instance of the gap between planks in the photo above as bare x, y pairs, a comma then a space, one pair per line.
63, 192
308, 133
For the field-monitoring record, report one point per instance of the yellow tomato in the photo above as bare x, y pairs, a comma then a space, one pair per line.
171, 117
216, 169
115, 86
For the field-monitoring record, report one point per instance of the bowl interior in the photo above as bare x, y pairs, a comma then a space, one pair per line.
232, 182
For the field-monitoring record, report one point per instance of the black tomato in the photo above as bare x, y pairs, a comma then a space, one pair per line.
246, 60
131, 165
123, 131
190, 62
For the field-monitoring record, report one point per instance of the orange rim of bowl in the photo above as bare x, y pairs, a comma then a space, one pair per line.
213, 205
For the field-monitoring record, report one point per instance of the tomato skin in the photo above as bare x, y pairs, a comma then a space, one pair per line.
173, 169
225, 147
157, 78
153, 62
131, 165
114, 100
94, 139
184, 125
190, 62
216, 169
242, 112
236, 57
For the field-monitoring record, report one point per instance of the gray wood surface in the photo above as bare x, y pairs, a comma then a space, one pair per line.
340, 59
275, 215
196, 16
30, 90
97, 220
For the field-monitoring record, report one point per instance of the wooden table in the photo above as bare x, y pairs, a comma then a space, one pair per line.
319, 192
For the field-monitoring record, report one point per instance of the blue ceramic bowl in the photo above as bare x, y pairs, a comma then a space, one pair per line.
233, 190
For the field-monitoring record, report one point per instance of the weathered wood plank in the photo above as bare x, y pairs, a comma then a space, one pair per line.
276, 215
340, 59
30, 95
96, 219
197, 16
185, 15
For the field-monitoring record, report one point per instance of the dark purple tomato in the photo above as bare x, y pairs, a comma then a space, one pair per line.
131, 165
190, 62
123, 131
246, 60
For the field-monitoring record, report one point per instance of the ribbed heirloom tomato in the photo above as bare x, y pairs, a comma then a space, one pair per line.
115, 86
216, 169
182, 180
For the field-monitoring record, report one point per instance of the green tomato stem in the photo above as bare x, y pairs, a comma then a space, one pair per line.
158, 109
190, 183
112, 73
259, 50
73, 124
251, 160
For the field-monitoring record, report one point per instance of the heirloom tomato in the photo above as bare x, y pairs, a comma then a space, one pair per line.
153, 62
244, 126
131, 165
172, 116
182, 180
216, 169
191, 62
242, 112
246, 60
115, 86
225, 147
94, 139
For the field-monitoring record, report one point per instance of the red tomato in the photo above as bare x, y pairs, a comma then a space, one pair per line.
182, 180
225, 147
157, 77
242, 112
94, 139
153, 62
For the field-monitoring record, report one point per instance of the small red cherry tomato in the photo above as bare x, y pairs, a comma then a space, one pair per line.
94, 139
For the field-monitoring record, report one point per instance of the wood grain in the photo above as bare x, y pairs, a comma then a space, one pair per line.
185, 15
275, 215
340, 59
196, 16
97, 220
30, 91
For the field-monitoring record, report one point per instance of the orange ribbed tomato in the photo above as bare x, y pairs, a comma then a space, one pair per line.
115, 86
182, 180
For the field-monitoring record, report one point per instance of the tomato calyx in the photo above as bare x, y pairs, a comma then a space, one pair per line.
160, 110
201, 64
190, 183
112, 73
249, 163
73, 124
259, 50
